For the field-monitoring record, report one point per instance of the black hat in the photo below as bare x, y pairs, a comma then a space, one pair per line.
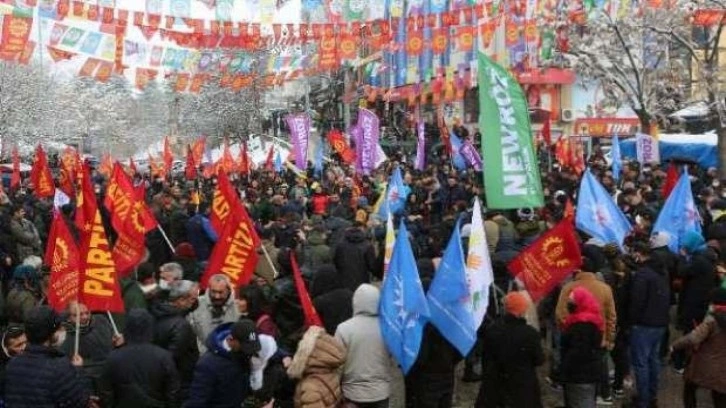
40, 324
244, 332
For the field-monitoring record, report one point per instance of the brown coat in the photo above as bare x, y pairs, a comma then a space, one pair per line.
602, 293
708, 341
318, 364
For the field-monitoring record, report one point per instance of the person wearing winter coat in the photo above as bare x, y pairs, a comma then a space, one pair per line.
317, 365
331, 299
355, 258
201, 234
42, 376
173, 332
26, 237
222, 375
708, 343
216, 306
253, 304
367, 372
512, 351
582, 336
25, 293
288, 313
317, 252
139, 374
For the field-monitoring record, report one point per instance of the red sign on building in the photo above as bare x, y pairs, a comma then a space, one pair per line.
606, 127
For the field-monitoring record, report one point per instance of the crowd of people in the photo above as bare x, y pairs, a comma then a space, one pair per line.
606, 327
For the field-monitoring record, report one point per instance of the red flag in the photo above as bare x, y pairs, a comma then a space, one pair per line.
569, 213
190, 170
548, 261
562, 152
338, 143
235, 254
106, 166
98, 287
226, 162
244, 160
198, 149
670, 181
156, 169
225, 202
61, 254
132, 166
269, 165
41, 176
311, 315
15, 178
547, 132
168, 156
65, 179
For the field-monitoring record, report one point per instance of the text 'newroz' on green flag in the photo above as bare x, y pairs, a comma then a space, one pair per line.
511, 171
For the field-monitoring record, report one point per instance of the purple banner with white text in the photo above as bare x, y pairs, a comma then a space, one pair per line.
299, 125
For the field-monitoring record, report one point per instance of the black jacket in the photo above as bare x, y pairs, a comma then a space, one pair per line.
699, 279
355, 259
333, 303
174, 333
649, 296
581, 354
44, 377
511, 353
140, 375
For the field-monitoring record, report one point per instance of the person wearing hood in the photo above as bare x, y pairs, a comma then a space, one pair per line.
222, 375
216, 306
582, 336
512, 351
25, 293
367, 372
317, 365
173, 332
698, 272
24, 234
705, 369
316, 251
200, 233
253, 304
331, 298
355, 258
139, 374
649, 317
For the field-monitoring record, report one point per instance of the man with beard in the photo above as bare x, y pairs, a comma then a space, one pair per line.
43, 376
173, 332
222, 376
216, 306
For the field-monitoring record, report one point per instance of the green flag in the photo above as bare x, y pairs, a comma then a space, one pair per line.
511, 171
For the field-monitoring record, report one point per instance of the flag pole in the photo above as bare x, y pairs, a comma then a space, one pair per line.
113, 323
166, 238
269, 260
77, 337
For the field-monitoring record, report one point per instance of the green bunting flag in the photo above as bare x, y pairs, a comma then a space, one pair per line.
511, 171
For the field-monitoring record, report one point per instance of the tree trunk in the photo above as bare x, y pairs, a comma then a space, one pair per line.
721, 132
645, 120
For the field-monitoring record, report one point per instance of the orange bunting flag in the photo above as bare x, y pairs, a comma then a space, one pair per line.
131, 220
15, 179
311, 315
98, 287
40, 175
548, 261
235, 253
61, 254
190, 170
168, 156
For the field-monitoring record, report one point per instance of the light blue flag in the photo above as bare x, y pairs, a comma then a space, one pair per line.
448, 297
457, 159
278, 162
318, 165
598, 215
616, 158
403, 308
396, 195
679, 214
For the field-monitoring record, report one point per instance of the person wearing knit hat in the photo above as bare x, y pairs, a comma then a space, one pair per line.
512, 352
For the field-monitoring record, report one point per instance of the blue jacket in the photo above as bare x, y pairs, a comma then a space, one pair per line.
201, 235
221, 378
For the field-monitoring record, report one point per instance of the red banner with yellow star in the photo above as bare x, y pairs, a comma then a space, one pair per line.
548, 261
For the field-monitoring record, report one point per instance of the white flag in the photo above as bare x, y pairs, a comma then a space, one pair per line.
479, 273
390, 241
646, 148
60, 199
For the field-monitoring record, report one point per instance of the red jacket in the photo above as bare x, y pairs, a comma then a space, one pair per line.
319, 204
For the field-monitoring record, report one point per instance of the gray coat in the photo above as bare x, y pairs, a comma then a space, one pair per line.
367, 372
203, 323
26, 238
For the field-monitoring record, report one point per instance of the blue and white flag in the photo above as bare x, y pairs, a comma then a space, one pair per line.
278, 162
318, 164
403, 308
448, 297
679, 214
457, 158
598, 215
616, 158
395, 196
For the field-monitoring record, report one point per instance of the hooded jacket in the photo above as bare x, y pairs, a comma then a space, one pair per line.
331, 299
173, 333
699, 278
581, 340
317, 364
355, 259
601, 291
221, 378
367, 372
317, 253
203, 320
709, 340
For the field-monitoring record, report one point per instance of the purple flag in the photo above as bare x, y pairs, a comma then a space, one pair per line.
299, 125
369, 132
421, 147
355, 135
471, 155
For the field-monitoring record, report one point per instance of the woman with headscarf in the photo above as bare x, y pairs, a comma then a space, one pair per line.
512, 351
582, 334
25, 293
253, 304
